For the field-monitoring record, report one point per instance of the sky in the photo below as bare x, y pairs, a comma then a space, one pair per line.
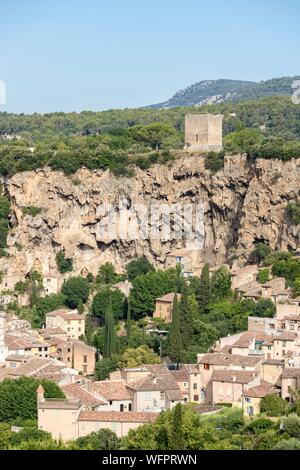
71, 55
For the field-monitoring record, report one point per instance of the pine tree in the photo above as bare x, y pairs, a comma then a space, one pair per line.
109, 333
128, 322
176, 441
186, 319
175, 349
203, 290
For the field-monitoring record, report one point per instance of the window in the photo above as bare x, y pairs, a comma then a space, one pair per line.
68, 350
185, 384
196, 397
269, 348
194, 386
129, 407
79, 329
206, 366
69, 359
197, 138
110, 402
248, 400
122, 407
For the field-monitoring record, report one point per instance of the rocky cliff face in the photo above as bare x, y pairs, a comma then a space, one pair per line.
243, 203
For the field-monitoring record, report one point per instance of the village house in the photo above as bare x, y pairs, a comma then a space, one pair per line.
189, 261
67, 419
253, 396
164, 307
77, 355
115, 395
69, 321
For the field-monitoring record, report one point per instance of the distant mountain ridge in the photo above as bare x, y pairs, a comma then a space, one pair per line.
220, 91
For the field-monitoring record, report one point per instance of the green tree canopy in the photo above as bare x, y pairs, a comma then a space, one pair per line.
101, 299
76, 291
137, 267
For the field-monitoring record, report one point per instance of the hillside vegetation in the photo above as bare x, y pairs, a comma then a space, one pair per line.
117, 139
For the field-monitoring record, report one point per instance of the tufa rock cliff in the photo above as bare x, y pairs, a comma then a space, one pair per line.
243, 203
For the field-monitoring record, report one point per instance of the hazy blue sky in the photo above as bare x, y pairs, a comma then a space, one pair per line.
62, 55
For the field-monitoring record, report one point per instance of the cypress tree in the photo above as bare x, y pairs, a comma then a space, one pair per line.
186, 319
175, 350
109, 332
203, 290
128, 322
176, 441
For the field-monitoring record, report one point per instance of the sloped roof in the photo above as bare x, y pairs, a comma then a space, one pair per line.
233, 376
260, 391
118, 416
111, 390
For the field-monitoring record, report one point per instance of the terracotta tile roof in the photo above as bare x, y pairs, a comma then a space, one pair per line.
157, 369
118, 416
168, 297
292, 318
111, 390
180, 375
52, 331
229, 359
60, 404
286, 336
66, 314
274, 362
32, 367
290, 373
18, 358
14, 342
58, 312
259, 391
191, 368
174, 395
233, 376
247, 338
161, 383
75, 391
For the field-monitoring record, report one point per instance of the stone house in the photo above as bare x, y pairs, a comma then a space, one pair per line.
77, 355
164, 306
68, 419
115, 395
253, 397
69, 321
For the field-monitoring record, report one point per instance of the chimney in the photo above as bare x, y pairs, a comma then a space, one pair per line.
40, 394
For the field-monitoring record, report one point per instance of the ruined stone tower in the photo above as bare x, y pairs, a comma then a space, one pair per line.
203, 132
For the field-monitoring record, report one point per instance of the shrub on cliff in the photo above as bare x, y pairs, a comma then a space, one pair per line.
64, 264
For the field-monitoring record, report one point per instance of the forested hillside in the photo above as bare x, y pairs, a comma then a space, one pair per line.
219, 91
115, 139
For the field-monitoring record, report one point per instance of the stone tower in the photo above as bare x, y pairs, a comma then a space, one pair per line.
203, 132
